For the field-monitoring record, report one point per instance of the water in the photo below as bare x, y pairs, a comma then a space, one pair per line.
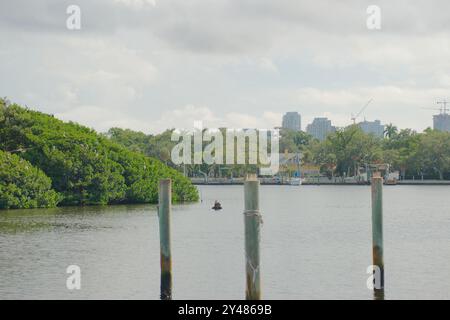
316, 244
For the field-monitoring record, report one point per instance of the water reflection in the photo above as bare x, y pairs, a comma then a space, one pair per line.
320, 236
378, 294
65, 218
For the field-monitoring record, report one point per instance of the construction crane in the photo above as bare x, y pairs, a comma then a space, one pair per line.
442, 110
354, 117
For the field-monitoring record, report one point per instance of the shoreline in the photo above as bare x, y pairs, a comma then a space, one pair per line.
399, 183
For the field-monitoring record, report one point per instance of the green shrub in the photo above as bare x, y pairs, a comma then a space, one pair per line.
85, 167
24, 186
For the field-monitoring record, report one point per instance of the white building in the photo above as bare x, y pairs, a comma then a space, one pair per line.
441, 122
320, 128
372, 127
292, 121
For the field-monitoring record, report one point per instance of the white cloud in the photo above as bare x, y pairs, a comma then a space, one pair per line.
102, 119
185, 117
238, 58
268, 65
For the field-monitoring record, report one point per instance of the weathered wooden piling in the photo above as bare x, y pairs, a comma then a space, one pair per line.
377, 235
164, 210
252, 221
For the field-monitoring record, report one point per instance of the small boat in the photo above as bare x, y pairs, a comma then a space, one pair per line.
217, 206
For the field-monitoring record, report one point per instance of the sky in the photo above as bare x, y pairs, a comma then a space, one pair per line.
149, 65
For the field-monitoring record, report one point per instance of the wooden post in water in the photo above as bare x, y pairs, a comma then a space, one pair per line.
377, 235
252, 221
164, 209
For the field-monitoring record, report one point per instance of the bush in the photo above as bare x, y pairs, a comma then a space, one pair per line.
85, 167
23, 185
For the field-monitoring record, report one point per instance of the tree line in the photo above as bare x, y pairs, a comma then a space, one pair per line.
46, 162
343, 153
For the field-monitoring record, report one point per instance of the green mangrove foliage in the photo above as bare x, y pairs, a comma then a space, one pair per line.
85, 167
24, 186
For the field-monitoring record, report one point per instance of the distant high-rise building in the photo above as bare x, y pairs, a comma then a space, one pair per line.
292, 121
372, 127
320, 128
441, 122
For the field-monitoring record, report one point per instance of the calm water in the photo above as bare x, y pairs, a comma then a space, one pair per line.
316, 243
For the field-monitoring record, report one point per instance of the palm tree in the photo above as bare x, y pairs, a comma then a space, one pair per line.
390, 131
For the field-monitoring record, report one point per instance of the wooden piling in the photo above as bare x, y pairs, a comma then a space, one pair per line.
164, 211
252, 221
377, 234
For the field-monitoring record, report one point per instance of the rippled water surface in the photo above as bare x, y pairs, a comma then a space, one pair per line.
316, 243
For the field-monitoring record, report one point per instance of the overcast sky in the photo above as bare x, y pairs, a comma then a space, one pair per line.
155, 64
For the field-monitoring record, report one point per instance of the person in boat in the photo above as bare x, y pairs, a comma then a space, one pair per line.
217, 205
